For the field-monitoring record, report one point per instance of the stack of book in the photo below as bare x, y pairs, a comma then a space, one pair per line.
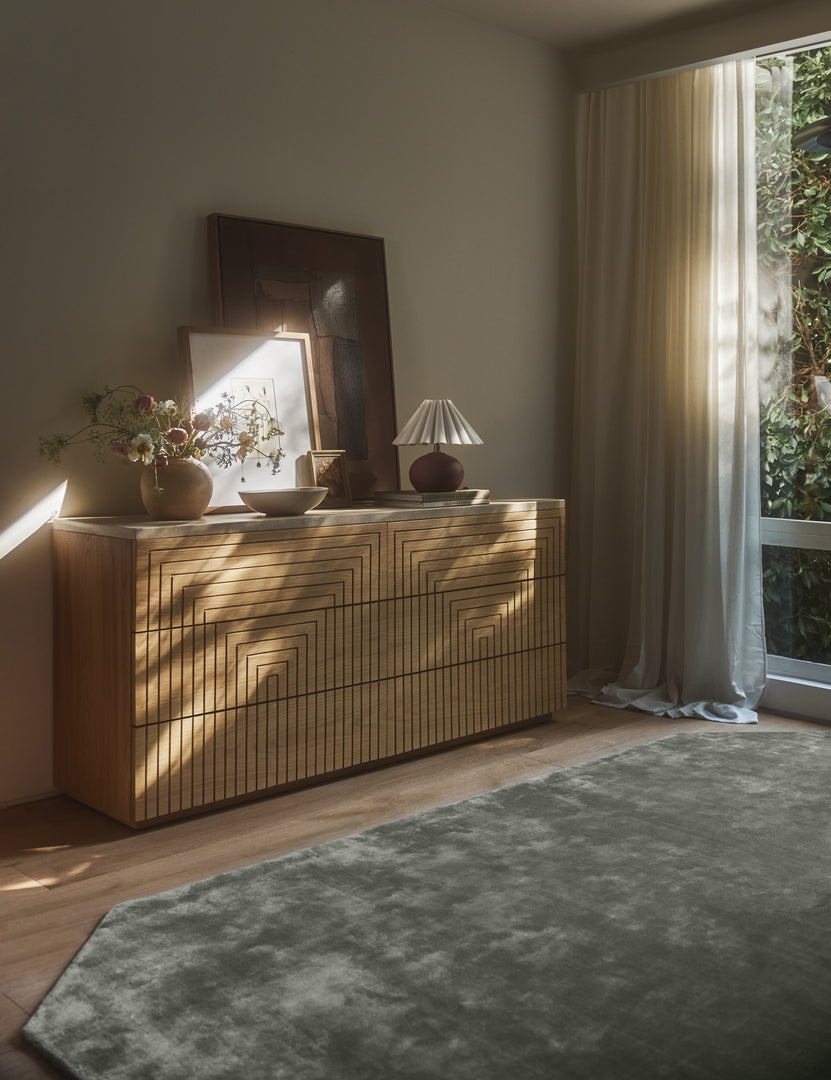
462, 497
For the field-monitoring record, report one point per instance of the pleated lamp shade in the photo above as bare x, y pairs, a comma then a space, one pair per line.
436, 421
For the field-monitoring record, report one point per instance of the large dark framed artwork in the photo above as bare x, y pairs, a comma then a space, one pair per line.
332, 286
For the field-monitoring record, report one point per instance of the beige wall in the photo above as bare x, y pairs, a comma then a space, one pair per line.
125, 124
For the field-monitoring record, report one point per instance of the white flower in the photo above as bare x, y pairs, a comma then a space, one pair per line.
168, 406
141, 449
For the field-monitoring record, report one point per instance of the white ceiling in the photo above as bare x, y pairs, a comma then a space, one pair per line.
578, 23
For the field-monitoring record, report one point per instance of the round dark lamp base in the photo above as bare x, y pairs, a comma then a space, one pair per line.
436, 472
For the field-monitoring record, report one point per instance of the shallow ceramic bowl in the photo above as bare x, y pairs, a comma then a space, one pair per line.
284, 502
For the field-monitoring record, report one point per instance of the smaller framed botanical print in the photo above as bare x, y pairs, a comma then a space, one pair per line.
329, 471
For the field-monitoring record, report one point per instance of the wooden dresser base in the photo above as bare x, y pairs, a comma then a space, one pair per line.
206, 663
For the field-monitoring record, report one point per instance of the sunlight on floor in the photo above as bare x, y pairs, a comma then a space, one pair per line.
20, 885
25, 882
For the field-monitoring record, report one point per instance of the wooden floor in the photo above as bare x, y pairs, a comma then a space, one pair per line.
63, 866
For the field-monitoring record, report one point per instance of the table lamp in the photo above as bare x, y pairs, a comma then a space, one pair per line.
436, 421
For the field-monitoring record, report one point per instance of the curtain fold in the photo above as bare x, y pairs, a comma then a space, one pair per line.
665, 540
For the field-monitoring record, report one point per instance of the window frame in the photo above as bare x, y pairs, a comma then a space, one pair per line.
808, 536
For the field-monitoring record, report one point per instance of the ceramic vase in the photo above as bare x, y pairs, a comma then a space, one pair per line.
186, 488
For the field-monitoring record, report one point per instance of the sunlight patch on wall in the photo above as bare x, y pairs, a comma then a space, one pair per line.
48, 508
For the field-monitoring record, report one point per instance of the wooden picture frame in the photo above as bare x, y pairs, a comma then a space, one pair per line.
214, 360
329, 469
333, 287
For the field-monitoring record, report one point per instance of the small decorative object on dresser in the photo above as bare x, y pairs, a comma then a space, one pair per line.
462, 497
284, 502
179, 489
329, 471
170, 439
434, 422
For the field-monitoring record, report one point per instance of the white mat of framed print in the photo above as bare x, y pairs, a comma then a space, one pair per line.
276, 367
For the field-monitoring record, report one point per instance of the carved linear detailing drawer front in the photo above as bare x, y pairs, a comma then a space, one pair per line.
198, 761
187, 582
254, 618
509, 547
445, 704
478, 630
468, 589
225, 665
456, 624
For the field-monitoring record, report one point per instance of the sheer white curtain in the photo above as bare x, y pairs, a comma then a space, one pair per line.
665, 539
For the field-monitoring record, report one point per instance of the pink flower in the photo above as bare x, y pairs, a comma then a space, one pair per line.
176, 436
202, 422
120, 448
144, 405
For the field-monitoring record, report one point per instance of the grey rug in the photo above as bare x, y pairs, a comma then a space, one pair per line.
665, 912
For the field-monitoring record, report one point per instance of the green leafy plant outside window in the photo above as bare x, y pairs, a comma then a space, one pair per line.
794, 245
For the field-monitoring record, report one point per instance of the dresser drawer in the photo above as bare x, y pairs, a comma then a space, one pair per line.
194, 581
427, 556
198, 761
226, 665
457, 702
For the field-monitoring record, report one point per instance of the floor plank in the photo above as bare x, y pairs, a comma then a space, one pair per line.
17, 1062
62, 865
